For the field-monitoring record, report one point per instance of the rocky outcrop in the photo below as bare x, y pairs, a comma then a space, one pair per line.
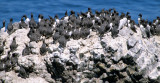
127, 58
100, 48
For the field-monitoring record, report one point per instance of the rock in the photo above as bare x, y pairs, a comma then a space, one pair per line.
85, 80
73, 46
131, 42
103, 76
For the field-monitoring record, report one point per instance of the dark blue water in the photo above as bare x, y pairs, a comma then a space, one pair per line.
16, 8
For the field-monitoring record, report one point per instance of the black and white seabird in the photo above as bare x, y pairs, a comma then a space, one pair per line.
22, 73
57, 19
2, 65
66, 17
147, 31
43, 48
22, 24
132, 26
2, 47
123, 21
139, 19
39, 17
62, 41
157, 21
56, 36
142, 28
114, 31
3, 28
8, 64
32, 23
26, 19
34, 35
13, 45
26, 51
41, 21
153, 27
49, 31
14, 59
10, 27
89, 13
157, 30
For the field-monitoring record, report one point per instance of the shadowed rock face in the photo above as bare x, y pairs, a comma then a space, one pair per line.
94, 51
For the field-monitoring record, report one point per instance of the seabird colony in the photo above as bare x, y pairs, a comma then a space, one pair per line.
76, 26
71, 26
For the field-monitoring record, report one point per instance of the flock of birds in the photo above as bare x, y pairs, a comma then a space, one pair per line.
73, 26
78, 26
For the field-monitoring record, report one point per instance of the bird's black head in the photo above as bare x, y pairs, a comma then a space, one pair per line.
3, 23
42, 17
66, 13
11, 20
150, 23
117, 13
4, 42
97, 12
22, 20
31, 15
78, 14
89, 9
114, 10
103, 10
39, 16
25, 16
128, 17
140, 15
122, 15
127, 13
14, 38
56, 16
110, 10
72, 12
158, 18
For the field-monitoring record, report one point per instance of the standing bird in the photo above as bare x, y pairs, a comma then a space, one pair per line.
26, 51
66, 17
139, 19
62, 41
32, 23
26, 19
8, 64
10, 27
14, 59
2, 47
39, 17
2, 65
22, 24
43, 48
3, 28
152, 28
114, 31
123, 21
143, 31
41, 21
157, 30
57, 19
147, 31
22, 72
56, 36
13, 45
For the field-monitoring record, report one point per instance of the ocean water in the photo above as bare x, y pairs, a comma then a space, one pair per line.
150, 9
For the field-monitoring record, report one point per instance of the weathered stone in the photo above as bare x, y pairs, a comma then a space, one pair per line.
131, 42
